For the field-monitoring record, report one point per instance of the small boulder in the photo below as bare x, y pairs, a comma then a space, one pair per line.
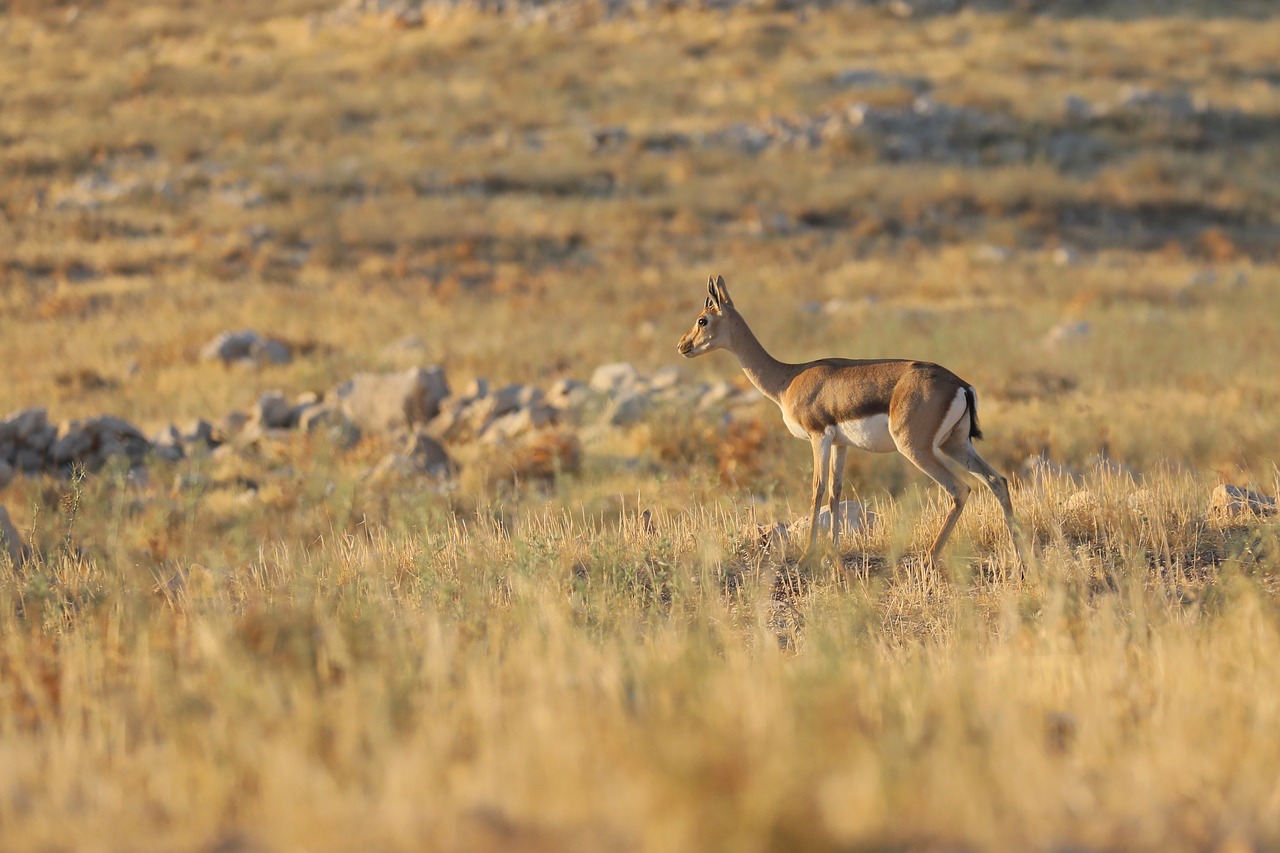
614, 378
7, 473
853, 517
167, 444
382, 402
329, 420
272, 411
567, 394
628, 408
1068, 332
200, 431
421, 455
11, 543
246, 347
1234, 501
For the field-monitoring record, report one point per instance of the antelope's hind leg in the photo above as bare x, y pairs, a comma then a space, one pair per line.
959, 447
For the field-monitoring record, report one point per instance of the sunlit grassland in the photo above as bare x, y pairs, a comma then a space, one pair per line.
270, 649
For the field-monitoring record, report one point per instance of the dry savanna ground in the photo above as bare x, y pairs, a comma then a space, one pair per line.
1072, 205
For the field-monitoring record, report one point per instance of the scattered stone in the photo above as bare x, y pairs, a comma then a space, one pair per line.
233, 422
567, 394
7, 473
1235, 501
383, 402
11, 543
853, 517
1065, 256
421, 455
718, 393
272, 411
767, 537
1080, 504
628, 408
1068, 332
614, 378
92, 441
246, 347
199, 431
167, 444
329, 420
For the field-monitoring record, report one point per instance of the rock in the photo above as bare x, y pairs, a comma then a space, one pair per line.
518, 423
1077, 109
718, 393
628, 408
567, 394
421, 455
1068, 332
381, 402
1039, 468
768, 537
992, 253
667, 377
853, 517
246, 347
614, 378
91, 442
29, 461
232, 422
1065, 256
11, 543
167, 444
200, 431
7, 473
1080, 503
29, 428
329, 420
272, 411
1234, 501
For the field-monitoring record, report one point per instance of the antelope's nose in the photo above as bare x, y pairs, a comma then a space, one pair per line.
683, 347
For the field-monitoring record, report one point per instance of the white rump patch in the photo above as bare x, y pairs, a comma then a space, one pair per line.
954, 412
870, 433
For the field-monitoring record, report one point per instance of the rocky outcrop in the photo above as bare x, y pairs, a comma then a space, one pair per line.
384, 402
248, 348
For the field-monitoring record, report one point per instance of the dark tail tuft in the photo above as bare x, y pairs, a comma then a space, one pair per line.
975, 431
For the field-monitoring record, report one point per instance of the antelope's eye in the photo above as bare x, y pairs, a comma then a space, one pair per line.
702, 321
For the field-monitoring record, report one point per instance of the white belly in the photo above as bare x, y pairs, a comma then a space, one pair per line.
870, 433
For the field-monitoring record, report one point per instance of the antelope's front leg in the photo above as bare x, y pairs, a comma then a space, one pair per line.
821, 466
837, 486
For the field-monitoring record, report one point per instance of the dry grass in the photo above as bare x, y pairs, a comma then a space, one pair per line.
272, 651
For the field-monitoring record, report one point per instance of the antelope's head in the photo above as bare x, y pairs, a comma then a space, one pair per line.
711, 330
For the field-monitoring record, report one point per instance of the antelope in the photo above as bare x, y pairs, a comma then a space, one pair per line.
879, 405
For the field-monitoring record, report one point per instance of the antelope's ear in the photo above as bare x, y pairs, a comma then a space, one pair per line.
713, 296
711, 303
721, 293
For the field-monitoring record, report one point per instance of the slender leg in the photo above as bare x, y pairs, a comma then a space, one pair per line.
927, 460
821, 465
837, 485
964, 453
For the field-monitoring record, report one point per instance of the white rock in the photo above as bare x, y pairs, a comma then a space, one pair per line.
381, 402
853, 517
628, 408
613, 378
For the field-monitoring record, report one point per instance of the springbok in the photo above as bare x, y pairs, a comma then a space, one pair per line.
880, 405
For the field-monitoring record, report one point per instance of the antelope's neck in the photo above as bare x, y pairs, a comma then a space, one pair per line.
768, 374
